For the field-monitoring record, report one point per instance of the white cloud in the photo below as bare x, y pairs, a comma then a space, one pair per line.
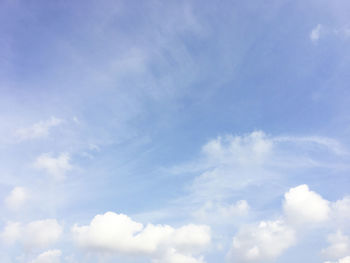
342, 260
269, 239
304, 206
231, 163
261, 242
50, 256
36, 234
37, 130
316, 33
11, 233
56, 167
339, 246
341, 211
118, 233
253, 147
17, 197
342, 32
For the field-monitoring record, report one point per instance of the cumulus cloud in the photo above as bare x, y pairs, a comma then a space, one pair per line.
50, 256
339, 246
302, 205
269, 239
57, 167
17, 197
37, 130
264, 241
118, 233
36, 234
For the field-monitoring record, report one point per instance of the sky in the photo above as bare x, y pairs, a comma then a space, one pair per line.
174, 131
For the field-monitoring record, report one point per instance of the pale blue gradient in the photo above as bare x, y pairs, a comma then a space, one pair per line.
141, 86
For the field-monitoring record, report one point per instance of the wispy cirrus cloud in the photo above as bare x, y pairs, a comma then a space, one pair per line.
37, 130
321, 31
56, 167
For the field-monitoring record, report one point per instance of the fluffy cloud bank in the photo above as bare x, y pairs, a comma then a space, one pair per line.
302, 208
36, 234
118, 233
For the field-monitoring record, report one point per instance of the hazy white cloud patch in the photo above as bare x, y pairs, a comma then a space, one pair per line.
320, 31
341, 260
172, 256
50, 256
264, 241
304, 206
316, 33
317, 142
343, 32
36, 234
37, 130
341, 211
57, 167
230, 163
17, 197
118, 233
339, 246
11, 233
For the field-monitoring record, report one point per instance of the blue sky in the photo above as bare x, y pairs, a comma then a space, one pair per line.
174, 131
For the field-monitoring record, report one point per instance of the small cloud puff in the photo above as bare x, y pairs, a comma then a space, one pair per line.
57, 167
17, 197
316, 33
304, 206
264, 241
